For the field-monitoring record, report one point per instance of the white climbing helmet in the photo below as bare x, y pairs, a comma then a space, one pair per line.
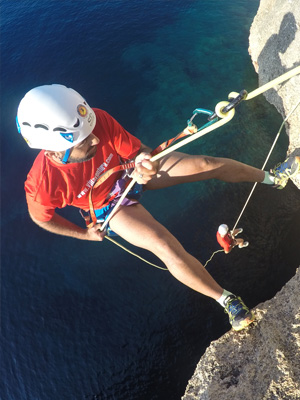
54, 117
223, 229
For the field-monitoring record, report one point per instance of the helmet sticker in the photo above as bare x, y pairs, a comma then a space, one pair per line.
68, 136
18, 125
91, 118
27, 141
82, 110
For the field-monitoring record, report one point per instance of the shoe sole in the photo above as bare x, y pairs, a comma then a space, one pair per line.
244, 245
239, 231
244, 324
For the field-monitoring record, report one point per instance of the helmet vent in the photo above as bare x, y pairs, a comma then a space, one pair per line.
59, 129
41, 126
26, 123
77, 123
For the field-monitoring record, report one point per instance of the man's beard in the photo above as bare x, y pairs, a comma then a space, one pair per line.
81, 160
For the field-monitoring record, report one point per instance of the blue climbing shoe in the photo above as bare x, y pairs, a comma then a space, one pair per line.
284, 171
239, 314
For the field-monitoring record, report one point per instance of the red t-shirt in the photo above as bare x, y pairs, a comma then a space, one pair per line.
51, 185
225, 241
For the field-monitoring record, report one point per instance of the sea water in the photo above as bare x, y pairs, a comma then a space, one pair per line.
87, 321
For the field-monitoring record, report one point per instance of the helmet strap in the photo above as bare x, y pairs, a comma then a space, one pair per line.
66, 156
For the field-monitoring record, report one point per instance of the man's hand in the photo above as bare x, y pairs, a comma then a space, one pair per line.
62, 226
144, 168
95, 233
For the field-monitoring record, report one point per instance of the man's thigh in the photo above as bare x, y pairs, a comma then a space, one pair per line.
176, 168
136, 225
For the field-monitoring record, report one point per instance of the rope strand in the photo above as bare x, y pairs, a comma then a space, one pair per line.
134, 254
215, 252
224, 119
254, 186
267, 159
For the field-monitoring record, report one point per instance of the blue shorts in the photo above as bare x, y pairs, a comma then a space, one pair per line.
132, 197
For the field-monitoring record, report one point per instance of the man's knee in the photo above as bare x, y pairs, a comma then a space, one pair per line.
166, 247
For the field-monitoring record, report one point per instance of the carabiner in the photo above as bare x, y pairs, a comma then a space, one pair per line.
198, 111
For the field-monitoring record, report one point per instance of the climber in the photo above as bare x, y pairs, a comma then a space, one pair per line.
78, 143
228, 240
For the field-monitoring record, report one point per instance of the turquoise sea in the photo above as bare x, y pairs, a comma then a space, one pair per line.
87, 321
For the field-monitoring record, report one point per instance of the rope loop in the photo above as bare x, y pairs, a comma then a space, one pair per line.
224, 107
219, 110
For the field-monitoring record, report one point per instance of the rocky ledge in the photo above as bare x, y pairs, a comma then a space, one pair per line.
263, 362
274, 46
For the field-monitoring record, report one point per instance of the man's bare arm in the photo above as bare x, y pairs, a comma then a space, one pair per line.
62, 226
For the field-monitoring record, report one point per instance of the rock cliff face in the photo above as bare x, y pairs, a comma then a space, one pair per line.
275, 49
263, 362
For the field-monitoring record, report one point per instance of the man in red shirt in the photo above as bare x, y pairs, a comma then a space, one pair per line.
227, 239
78, 145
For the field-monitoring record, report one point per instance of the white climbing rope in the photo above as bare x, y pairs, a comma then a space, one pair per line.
263, 167
267, 159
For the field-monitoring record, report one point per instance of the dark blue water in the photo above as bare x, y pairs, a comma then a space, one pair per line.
84, 320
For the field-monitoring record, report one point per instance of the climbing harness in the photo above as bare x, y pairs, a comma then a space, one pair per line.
190, 130
225, 117
224, 112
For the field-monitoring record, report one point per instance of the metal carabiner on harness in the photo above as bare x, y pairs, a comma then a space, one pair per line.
212, 119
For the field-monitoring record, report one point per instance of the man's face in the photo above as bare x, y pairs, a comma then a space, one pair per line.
85, 150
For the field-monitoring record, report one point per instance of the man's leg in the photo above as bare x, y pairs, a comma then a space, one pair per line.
136, 225
176, 168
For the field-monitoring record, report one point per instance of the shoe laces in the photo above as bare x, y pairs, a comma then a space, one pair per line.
287, 168
234, 305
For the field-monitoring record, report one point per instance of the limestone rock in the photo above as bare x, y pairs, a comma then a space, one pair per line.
261, 363
275, 49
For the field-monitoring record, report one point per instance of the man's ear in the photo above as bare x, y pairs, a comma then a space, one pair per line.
54, 155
